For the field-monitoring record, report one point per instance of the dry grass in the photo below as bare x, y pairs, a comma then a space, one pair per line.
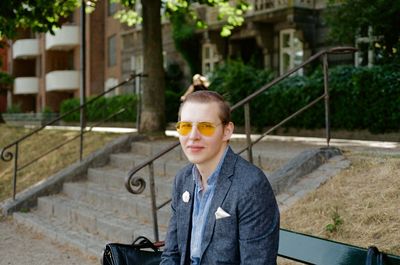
365, 198
39, 144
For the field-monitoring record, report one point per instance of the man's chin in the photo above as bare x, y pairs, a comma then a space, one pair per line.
194, 159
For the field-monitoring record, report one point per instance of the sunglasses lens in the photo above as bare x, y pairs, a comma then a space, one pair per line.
205, 128
184, 128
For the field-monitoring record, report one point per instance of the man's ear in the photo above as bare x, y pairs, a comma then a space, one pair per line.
228, 131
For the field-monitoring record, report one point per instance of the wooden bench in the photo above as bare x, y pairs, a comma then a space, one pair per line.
314, 250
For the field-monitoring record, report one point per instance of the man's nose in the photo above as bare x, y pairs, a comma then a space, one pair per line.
194, 133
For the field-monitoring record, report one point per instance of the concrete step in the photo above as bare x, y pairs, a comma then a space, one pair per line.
165, 166
113, 178
60, 232
120, 202
105, 224
151, 148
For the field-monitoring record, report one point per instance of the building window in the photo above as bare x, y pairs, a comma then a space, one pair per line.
366, 43
112, 51
291, 51
112, 7
210, 58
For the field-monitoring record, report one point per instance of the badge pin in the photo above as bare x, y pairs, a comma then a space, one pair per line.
186, 196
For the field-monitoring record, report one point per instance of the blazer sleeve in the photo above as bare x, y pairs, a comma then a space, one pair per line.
258, 223
171, 255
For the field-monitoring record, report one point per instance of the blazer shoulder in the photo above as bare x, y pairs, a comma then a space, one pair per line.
183, 173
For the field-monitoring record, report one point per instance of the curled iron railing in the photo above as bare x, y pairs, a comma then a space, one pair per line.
6, 154
136, 185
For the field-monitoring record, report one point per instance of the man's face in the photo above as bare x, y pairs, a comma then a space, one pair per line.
199, 149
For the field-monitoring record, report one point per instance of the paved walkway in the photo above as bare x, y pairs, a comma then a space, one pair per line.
19, 246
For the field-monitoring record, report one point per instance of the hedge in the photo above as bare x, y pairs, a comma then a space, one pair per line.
102, 108
360, 98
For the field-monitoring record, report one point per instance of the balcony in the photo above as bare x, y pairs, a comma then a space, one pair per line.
25, 48
262, 7
62, 80
26, 85
269, 5
65, 38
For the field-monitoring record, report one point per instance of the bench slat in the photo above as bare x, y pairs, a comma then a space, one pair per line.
314, 250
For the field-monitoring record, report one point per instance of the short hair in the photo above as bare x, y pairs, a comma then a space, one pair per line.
206, 96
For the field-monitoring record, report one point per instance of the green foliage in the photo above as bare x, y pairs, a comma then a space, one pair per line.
360, 98
47, 110
235, 80
15, 108
102, 108
229, 12
173, 91
38, 15
6, 79
183, 34
349, 18
337, 221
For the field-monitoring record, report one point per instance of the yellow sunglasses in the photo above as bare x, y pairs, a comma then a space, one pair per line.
205, 128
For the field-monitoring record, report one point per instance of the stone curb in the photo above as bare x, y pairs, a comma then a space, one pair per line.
299, 166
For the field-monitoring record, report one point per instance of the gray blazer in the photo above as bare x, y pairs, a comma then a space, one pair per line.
250, 235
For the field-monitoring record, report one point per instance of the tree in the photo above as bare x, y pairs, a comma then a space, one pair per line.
153, 99
38, 15
349, 18
44, 16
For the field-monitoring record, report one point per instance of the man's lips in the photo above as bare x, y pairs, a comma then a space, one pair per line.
195, 148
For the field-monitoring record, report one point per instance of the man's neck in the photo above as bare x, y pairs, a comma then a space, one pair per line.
207, 169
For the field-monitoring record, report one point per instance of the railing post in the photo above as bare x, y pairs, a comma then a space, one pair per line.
248, 131
83, 77
15, 171
326, 88
139, 104
153, 201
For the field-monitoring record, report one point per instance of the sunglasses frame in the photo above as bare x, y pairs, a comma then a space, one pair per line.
196, 124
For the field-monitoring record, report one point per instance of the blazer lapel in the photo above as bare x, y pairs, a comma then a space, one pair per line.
185, 221
221, 189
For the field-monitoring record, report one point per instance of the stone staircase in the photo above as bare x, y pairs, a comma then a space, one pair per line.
98, 209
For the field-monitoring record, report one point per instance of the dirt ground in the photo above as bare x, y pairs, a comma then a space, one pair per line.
18, 246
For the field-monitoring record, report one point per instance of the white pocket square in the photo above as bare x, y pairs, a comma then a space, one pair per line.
220, 213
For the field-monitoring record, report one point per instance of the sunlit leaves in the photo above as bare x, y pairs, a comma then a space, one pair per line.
129, 17
38, 15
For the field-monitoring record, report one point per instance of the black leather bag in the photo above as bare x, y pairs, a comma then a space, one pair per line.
374, 253
125, 254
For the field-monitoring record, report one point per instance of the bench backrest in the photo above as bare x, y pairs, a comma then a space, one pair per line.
314, 250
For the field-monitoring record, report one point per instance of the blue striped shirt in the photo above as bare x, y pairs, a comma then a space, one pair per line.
201, 207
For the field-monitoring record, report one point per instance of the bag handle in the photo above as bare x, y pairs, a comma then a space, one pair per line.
143, 242
374, 252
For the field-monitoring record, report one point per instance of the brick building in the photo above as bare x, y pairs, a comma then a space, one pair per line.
277, 34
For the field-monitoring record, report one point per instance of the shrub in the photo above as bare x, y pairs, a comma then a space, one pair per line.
360, 98
235, 81
102, 108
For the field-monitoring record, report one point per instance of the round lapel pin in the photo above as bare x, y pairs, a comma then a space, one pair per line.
186, 197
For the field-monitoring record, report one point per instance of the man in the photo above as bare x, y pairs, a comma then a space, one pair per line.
223, 208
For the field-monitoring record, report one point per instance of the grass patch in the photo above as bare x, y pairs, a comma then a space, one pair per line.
39, 144
360, 206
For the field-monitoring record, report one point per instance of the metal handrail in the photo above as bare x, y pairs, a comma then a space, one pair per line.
136, 184
7, 155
